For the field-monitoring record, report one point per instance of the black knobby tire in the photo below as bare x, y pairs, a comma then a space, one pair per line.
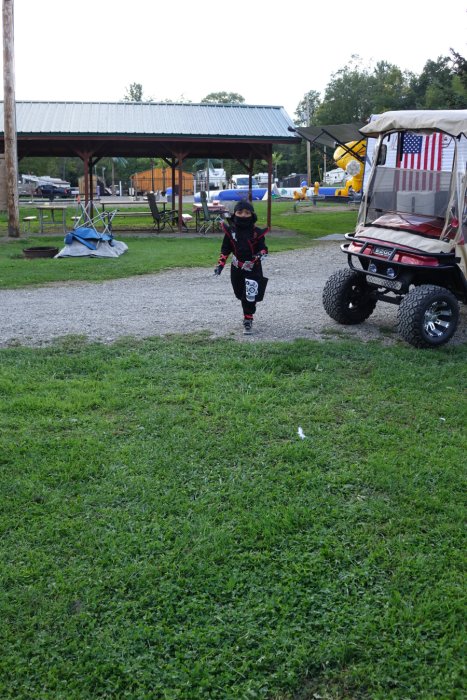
428, 316
347, 298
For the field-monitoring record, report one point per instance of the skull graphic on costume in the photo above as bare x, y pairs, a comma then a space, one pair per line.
251, 289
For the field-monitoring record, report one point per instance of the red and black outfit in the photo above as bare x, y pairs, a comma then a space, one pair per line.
246, 242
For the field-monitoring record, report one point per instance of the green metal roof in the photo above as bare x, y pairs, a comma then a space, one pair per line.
153, 119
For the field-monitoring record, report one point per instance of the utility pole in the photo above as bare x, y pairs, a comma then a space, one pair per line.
9, 109
308, 146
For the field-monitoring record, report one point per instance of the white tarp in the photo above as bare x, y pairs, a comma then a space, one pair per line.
103, 250
87, 242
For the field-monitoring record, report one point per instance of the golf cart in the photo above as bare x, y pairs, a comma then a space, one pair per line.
410, 244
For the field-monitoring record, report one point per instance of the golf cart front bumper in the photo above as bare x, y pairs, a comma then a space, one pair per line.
394, 267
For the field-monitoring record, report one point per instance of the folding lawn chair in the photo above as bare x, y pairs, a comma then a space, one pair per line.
90, 217
212, 220
165, 218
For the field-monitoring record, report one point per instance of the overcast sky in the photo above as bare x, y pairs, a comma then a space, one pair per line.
272, 53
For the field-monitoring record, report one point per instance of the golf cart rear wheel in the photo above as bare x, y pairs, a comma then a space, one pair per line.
347, 298
428, 316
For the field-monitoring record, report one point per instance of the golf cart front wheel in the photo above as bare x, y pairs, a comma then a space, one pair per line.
428, 316
347, 298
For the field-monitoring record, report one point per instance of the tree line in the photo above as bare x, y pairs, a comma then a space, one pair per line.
353, 93
356, 91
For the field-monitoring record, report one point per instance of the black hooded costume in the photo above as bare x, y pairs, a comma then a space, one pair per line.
248, 246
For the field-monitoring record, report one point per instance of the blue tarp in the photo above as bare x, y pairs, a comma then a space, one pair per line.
87, 236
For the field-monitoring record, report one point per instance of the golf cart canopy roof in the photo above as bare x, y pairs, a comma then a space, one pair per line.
450, 121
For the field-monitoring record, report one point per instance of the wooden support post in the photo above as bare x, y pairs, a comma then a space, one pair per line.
269, 206
250, 176
180, 195
173, 185
11, 149
179, 157
86, 157
86, 178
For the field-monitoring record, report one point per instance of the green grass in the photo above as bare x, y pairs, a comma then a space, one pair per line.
321, 220
166, 534
143, 222
144, 256
154, 253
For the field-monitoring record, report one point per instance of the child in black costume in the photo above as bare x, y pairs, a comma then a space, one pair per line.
247, 244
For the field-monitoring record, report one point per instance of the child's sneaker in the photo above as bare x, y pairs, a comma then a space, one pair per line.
247, 326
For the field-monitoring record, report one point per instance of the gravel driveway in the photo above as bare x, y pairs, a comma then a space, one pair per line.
191, 300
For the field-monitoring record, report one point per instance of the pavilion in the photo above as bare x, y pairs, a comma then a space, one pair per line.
170, 131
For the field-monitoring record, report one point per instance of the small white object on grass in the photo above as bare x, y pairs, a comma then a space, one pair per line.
301, 434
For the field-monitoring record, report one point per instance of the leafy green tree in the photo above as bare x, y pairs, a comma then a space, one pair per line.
134, 93
436, 75
460, 67
389, 88
440, 85
277, 159
355, 92
224, 98
346, 98
293, 159
69, 169
307, 107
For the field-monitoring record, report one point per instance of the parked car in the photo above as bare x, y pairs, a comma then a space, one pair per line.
52, 191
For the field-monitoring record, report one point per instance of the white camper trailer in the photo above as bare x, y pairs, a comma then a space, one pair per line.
211, 179
335, 177
241, 182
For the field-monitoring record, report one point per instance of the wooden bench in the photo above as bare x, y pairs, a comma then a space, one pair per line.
27, 223
135, 214
129, 214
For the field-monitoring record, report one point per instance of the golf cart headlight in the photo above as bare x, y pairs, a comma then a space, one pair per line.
391, 272
372, 267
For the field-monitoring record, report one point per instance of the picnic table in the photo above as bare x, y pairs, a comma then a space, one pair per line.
44, 209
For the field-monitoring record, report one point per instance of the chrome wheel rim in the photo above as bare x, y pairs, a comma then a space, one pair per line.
437, 319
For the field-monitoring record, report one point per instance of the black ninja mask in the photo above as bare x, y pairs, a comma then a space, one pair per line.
244, 222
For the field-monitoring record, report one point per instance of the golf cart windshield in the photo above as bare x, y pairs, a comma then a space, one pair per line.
413, 192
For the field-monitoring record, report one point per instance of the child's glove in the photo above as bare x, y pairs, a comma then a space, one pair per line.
218, 270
